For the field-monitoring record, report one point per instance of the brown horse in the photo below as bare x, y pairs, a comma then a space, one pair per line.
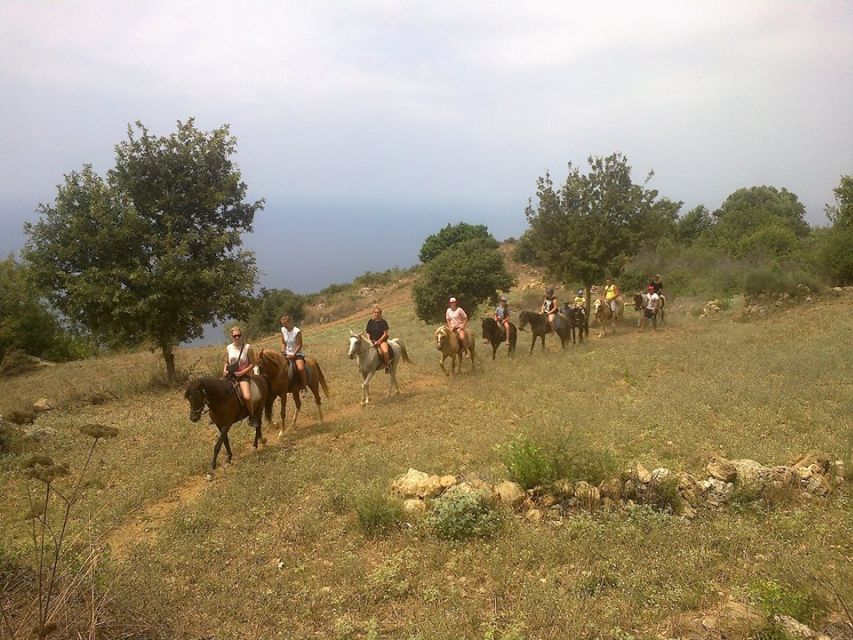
227, 407
284, 379
447, 343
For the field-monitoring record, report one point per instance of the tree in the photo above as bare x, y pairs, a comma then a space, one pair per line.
454, 234
750, 211
473, 271
589, 228
835, 256
152, 253
25, 323
842, 211
693, 224
267, 309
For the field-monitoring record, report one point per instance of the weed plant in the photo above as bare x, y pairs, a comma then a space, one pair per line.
462, 515
378, 513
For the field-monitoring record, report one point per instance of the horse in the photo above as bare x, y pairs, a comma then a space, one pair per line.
495, 335
577, 320
226, 407
447, 344
640, 302
370, 361
284, 379
602, 313
540, 327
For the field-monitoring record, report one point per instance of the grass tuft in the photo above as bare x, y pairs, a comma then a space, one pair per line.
377, 512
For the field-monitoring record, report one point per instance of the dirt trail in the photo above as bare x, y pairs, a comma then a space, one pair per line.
143, 524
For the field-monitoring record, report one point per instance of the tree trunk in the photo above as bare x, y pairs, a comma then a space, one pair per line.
169, 357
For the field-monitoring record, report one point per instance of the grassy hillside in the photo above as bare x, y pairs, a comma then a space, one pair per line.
272, 547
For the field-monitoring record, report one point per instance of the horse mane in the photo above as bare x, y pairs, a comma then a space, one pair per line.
274, 362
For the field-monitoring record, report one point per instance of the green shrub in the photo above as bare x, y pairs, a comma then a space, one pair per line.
775, 598
546, 457
377, 512
662, 495
773, 280
460, 515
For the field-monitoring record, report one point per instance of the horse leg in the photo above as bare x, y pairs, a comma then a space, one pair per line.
393, 385
441, 360
315, 389
283, 398
258, 435
365, 389
298, 402
227, 444
216, 448
494, 349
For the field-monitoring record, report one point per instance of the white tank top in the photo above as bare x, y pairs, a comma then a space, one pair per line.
234, 353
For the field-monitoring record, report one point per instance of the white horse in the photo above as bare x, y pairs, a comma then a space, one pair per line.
370, 361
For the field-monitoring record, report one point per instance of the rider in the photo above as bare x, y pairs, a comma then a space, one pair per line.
580, 302
377, 329
611, 293
239, 361
550, 307
457, 321
657, 284
652, 304
502, 316
291, 347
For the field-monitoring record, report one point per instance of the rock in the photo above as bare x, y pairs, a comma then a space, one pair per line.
818, 485
533, 515
751, 474
629, 490
414, 505
793, 629
611, 489
510, 493
447, 481
660, 474
810, 458
688, 512
608, 504
722, 469
564, 489
41, 405
641, 474
587, 495
717, 491
804, 472
738, 620
417, 484
21, 416
548, 500
837, 631
781, 477
689, 489
39, 432
466, 487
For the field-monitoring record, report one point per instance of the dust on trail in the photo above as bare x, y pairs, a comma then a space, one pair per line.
144, 524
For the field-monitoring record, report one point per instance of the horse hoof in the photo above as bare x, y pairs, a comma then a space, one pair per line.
208, 476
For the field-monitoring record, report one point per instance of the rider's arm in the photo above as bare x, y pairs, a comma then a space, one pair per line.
298, 342
281, 339
225, 366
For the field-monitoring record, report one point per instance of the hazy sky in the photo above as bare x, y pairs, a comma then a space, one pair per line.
355, 118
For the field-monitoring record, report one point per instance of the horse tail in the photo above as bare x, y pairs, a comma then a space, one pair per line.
404, 355
322, 379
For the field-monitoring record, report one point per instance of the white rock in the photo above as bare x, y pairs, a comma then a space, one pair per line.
510, 493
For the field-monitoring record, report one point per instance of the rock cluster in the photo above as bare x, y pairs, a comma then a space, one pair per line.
669, 491
711, 307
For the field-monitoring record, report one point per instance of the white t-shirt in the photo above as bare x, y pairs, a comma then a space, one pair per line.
652, 302
234, 353
290, 341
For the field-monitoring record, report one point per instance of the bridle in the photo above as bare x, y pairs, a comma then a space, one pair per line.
359, 351
205, 406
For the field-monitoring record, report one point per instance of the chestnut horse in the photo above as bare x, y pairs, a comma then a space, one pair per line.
227, 407
494, 334
285, 379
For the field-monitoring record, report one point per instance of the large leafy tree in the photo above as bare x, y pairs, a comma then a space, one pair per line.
473, 271
589, 228
454, 234
760, 219
153, 252
834, 248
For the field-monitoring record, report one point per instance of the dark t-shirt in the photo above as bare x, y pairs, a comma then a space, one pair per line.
375, 328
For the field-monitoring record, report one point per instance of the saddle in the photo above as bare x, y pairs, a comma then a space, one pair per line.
380, 363
293, 374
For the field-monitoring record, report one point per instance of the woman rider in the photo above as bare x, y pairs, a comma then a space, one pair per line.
377, 329
291, 347
457, 320
239, 361
550, 307
502, 317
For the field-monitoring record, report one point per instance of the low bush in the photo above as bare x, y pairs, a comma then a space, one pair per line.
662, 495
459, 515
544, 458
775, 598
377, 512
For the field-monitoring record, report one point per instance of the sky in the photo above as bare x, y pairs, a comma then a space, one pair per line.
367, 126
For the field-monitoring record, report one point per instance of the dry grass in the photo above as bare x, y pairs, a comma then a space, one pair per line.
273, 548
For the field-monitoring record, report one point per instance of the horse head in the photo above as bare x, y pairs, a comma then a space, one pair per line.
354, 340
197, 399
523, 320
638, 302
442, 338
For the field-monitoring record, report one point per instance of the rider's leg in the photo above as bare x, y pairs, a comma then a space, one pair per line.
506, 331
463, 342
383, 349
246, 392
300, 368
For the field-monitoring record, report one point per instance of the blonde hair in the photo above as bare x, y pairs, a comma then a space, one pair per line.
237, 327
377, 308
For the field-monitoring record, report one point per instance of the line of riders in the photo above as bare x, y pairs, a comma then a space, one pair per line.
240, 360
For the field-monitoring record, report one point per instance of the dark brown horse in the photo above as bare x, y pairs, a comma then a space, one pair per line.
495, 335
227, 407
284, 379
577, 320
540, 327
